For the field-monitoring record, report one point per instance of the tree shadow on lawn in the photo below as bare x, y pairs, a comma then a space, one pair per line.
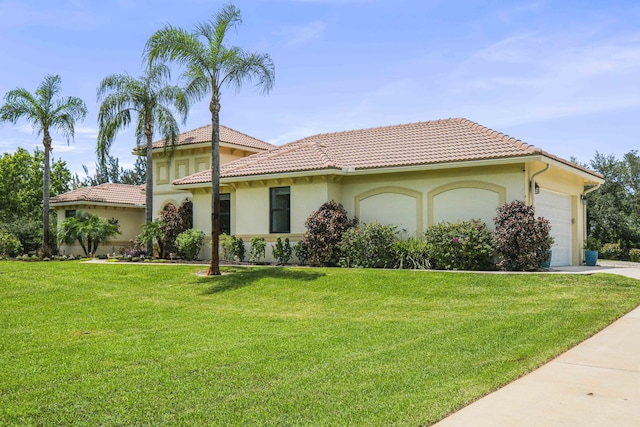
243, 277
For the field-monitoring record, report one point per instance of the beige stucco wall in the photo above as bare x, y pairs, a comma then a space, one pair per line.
401, 199
130, 221
413, 201
410, 200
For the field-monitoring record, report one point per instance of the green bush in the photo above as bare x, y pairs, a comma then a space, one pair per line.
188, 243
412, 254
257, 250
239, 251
634, 255
324, 233
466, 245
282, 251
522, 240
301, 252
369, 246
9, 245
227, 246
27, 230
610, 251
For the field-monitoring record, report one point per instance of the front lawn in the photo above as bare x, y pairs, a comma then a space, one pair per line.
112, 344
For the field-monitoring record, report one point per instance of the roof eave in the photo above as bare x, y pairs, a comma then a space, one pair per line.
92, 203
588, 177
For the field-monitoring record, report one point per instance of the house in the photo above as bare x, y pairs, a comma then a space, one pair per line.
121, 202
412, 175
126, 203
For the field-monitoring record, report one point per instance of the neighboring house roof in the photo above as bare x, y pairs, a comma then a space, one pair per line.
117, 194
423, 143
228, 135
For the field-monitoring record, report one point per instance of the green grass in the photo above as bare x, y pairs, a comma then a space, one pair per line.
113, 344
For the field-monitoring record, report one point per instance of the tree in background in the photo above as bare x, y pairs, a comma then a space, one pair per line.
21, 175
46, 112
211, 64
152, 99
613, 213
112, 172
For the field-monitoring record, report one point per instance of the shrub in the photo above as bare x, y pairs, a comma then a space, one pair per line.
282, 251
239, 250
9, 245
412, 254
301, 251
324, 233
227, 244
369, 246
522, 240
189, 243
611, 251
634, 255
466, 245
27, 230
257, 250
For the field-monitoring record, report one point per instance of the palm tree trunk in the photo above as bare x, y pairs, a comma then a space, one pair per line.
214, 107
45, 194
149, 190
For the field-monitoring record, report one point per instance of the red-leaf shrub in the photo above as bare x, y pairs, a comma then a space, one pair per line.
324, 233
175, 221
522, 240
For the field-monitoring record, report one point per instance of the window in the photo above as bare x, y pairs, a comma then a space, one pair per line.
69, 213
280, 202
225, 213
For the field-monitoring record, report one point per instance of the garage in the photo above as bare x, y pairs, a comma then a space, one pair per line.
556, 207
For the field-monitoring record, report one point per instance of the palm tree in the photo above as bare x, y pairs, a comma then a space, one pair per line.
151, 98
211, 64
46, 111
87, 229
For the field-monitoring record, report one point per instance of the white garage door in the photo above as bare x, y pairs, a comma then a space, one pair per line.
556, 208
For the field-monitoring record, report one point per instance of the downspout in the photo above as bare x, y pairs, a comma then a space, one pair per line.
532, 182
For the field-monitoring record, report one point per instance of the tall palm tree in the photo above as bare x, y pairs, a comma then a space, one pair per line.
151, 98
46, 112
211, 64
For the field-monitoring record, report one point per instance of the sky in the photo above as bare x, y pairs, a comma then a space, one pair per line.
562, 75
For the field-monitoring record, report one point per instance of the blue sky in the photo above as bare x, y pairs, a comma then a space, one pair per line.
561, 75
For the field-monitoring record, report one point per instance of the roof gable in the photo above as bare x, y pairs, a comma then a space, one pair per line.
227, 135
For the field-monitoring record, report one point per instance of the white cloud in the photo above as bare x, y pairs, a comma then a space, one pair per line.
535, 77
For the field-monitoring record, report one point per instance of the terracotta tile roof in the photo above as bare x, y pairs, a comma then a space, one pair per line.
423, 143
118, 194
228, 135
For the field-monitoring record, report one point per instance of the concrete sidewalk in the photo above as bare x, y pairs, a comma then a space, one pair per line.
597, 383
